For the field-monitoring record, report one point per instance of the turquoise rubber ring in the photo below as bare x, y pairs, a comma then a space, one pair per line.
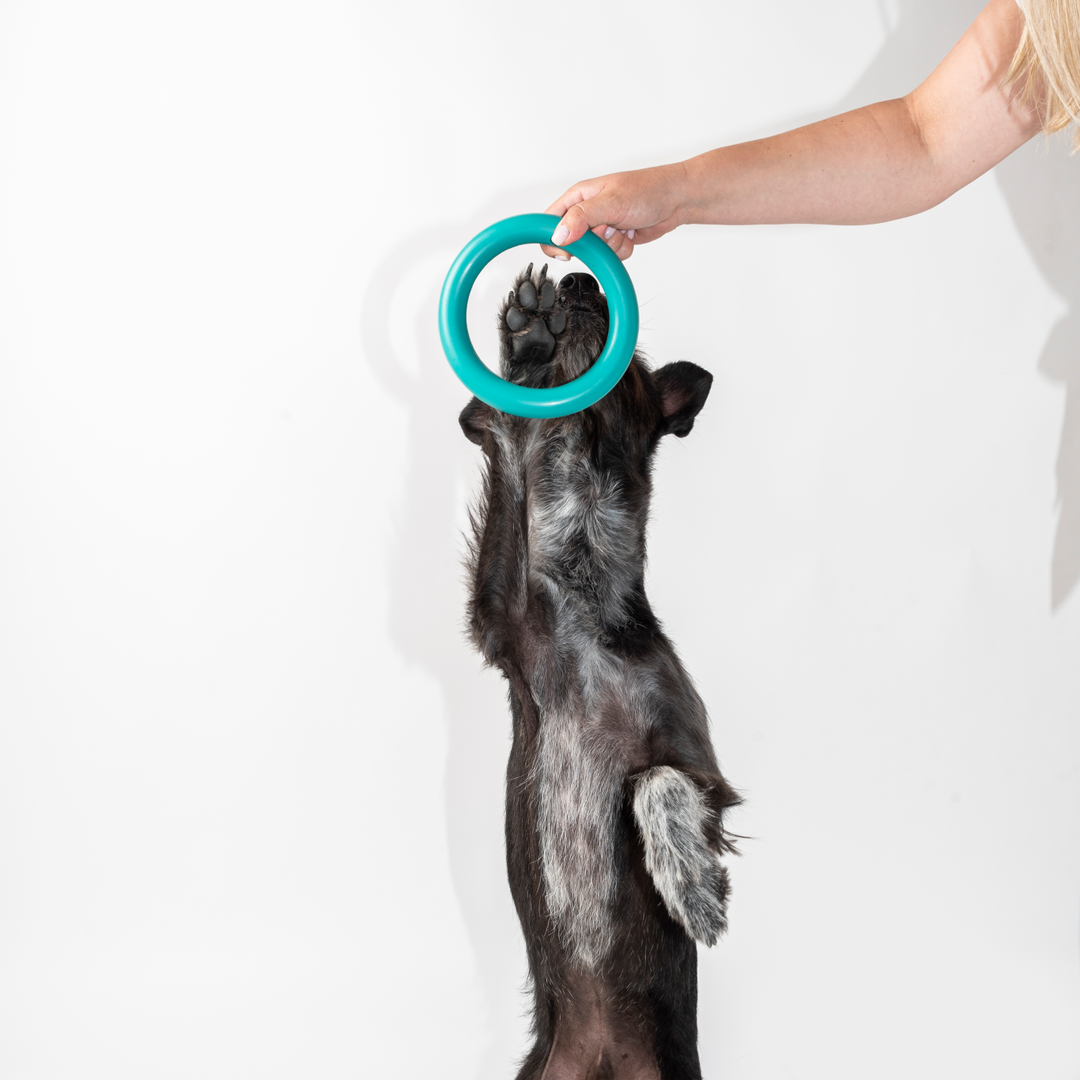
573, 396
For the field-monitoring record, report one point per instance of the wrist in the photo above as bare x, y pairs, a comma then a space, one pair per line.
693, 193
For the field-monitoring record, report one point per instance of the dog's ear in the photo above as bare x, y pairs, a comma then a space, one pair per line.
475, 419
683, 389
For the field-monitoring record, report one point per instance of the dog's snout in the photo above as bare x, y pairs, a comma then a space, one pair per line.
579, 283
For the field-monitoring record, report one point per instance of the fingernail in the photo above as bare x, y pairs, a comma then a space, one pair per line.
563, 258
629, 234
560, 234
609, 232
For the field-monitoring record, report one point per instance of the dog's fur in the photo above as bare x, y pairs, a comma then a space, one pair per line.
614, 801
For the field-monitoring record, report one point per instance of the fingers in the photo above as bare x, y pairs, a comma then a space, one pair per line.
573, 227
585, 206
621, 241
562, 235
607, 205
576, 222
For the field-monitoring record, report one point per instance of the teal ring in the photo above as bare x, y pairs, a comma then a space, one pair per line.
573, 396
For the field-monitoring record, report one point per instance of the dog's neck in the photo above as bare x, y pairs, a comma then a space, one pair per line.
584, 518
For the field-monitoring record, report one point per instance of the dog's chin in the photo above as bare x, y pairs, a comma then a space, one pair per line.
542, 375
547, 375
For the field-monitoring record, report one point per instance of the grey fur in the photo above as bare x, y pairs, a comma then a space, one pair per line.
580, 771
578, 794
673, 817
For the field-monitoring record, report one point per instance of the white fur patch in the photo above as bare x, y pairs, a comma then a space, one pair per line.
579, 791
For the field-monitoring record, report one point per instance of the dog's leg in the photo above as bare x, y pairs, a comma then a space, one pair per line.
676, 821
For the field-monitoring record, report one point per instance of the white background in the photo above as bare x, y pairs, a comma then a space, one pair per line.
250, 772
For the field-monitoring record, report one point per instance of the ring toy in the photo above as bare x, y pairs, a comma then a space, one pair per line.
573, 396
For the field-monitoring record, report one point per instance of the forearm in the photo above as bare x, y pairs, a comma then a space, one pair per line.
883, 161
861, 167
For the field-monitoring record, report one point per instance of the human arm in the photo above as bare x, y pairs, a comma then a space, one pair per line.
876, 163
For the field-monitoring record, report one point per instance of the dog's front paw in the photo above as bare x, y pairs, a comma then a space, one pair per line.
531, 321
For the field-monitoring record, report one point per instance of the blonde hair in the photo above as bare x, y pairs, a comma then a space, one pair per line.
1047, 61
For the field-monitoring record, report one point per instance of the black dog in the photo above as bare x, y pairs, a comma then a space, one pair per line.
614, 800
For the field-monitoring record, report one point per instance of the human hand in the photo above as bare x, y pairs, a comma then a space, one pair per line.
623, 209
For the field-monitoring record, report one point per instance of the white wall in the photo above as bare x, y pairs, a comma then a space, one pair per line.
250, 773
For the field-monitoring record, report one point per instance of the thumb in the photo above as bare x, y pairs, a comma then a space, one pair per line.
577, 221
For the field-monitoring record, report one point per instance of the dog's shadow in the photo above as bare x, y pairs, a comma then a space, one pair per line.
427, 601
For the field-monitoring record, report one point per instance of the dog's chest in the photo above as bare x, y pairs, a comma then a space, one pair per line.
583, 542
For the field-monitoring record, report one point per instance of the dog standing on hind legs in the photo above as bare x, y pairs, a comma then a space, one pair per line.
614, 800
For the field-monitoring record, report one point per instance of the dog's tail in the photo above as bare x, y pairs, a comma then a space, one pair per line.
676, 822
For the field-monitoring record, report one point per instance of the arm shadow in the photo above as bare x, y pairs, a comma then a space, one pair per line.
1042, 188
1041, 183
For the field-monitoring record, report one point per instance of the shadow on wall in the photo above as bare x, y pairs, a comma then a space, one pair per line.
1042, 187
1043, 190
426, 609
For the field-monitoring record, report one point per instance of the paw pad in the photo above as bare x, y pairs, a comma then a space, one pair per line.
532, 319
